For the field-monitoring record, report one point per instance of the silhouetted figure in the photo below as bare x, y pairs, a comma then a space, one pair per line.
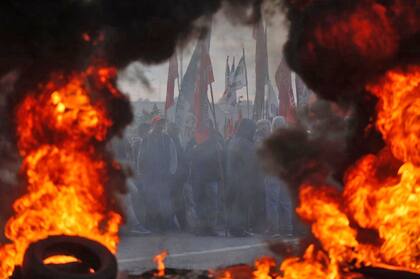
157, 164
241, 177
206, 168
179, 179
277, 198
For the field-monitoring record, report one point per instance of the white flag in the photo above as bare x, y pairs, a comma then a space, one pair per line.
239, 78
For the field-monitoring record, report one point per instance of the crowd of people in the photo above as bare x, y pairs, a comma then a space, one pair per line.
210, 187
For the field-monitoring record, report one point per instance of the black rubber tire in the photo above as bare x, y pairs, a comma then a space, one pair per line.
90, 252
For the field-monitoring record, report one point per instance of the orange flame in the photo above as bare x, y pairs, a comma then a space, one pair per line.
159, 260
381, 193
263, 267
60, 129
226, 275
61, 259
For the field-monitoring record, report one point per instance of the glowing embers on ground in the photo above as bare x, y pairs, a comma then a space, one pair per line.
61, 128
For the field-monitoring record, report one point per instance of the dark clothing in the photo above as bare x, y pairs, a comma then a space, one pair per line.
178, 184
206, 167
156, 162
242, 176
278, 206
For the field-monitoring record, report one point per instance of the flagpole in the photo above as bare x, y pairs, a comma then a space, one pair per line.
213, 107
181, 65
246, 81
177, 80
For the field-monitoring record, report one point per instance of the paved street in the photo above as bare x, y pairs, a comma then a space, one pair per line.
190, 252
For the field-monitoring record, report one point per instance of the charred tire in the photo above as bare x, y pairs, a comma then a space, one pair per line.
89, 252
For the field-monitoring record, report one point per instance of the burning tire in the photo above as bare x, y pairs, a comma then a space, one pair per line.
95, 260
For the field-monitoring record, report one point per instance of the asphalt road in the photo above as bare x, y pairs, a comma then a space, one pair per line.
191, 252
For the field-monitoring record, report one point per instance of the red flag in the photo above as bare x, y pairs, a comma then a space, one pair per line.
201, 103
208, 67
261, 68
284, 85
170, 86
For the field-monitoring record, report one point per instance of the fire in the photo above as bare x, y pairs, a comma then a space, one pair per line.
159, 260
263, 267
61, 260
381, 194
226, 275
61, 129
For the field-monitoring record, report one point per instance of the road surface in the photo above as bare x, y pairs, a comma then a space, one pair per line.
191, 252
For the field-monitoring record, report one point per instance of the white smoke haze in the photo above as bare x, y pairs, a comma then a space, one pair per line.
141, 81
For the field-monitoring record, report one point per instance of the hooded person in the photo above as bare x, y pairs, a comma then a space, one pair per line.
263, 131
242, 177
205, 177
258, 204
158, 162
277, 199
138, 197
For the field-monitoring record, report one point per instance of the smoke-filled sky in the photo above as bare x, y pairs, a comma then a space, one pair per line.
227, 39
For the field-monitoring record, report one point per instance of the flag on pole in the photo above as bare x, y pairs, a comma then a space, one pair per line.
239, 77
228, 99
204, 78
261, 68
170, 85
184, 115
232, 69
227, 74
285, 83
236, 80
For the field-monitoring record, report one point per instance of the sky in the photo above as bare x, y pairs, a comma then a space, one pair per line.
227, 39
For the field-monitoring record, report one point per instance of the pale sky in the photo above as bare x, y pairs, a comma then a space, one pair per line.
226, 40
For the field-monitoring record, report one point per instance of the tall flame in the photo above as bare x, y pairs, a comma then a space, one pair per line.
61, 129
381, 194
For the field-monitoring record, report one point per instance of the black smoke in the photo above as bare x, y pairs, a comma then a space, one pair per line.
338, 47
39, 38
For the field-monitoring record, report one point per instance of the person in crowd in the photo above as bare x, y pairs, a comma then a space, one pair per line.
135, 143
258, 206
278, 200
206, 168
179, 179
158, 163
121, 147
138, 197
263, 131
242, 177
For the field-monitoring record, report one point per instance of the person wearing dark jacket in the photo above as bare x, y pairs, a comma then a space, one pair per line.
157, 164
179, 180
242, 176
205, 179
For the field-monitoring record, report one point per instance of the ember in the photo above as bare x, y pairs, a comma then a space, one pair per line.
61, 128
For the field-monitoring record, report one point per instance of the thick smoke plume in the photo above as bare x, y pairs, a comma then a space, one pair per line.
40, 38
337, 47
